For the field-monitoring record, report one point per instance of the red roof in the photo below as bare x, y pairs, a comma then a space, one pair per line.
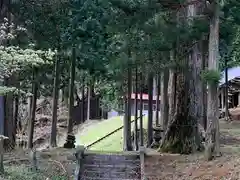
145, 96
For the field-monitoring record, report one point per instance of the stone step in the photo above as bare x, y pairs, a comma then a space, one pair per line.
109, 166
108, 157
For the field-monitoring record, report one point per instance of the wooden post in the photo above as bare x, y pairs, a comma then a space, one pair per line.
142, 155
79, 167
1, 153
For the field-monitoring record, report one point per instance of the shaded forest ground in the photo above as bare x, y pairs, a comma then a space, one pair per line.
58, 164
194, 167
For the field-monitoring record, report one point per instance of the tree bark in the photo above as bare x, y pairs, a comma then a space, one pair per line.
179, 134
127, 117
66, 96
136, 111
9, 124
158, 83
33, 110
226, 91
141, 110
89, 102
2, 119
150, 109
172, 89
195, 90
53, 138
83, 101
204, 85
164, 99
213, 144
71, 91
16, 120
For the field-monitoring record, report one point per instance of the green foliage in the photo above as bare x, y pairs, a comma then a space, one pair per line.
5, 90
211, 76
110, 35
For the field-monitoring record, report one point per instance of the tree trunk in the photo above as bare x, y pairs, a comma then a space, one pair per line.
195, 90
213, 144
158, 83
66, 96
16, 120
127, 119
70, 137
89, 102
164, 99
2, 119
9, 115
83, 102
136, 111
150, 109
33, 110
226, 91
53, 139
71, 91
172, 90
179, 134
141, 110
204, 85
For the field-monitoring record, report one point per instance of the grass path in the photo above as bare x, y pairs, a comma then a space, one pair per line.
100, 129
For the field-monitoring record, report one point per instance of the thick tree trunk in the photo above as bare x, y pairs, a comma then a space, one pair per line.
150, 109
164, 99
136, 111
33, 111
9, 122
16, 120
195, 90
158, 89
204, 85
172, 90
9, 127
213, 144
179, 134
53, 138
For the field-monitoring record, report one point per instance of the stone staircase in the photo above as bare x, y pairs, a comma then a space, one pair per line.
111, 167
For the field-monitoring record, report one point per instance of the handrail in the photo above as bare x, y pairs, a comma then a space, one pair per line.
109, 134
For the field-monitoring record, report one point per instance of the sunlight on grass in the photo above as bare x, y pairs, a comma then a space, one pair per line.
112, 143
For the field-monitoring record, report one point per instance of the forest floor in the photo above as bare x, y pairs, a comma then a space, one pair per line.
59, 163
194, 167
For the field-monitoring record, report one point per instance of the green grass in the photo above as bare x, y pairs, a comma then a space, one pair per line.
112, 143
23, 173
